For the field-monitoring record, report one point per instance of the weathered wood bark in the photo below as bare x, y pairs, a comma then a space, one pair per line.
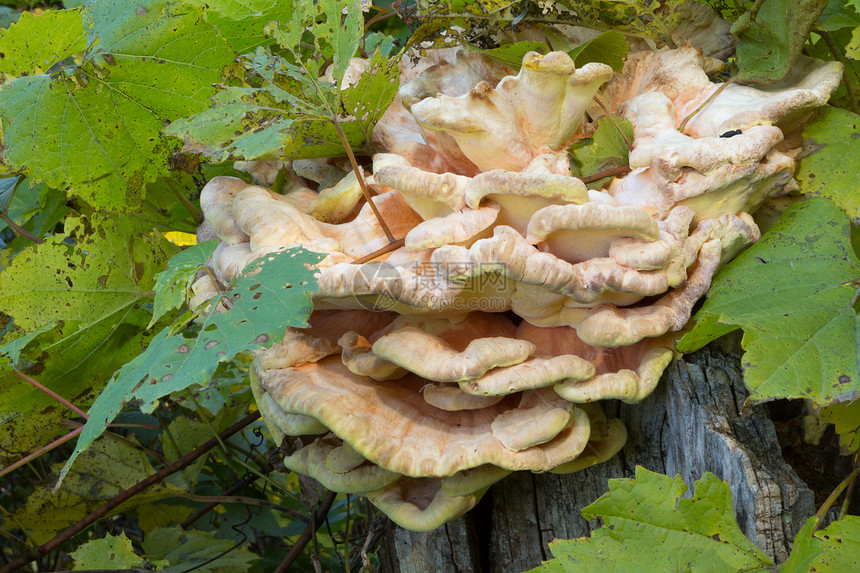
692, 424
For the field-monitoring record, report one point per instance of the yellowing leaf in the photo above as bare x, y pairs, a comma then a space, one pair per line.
106, 469
181, 239
832, 170
111, 552
36, 43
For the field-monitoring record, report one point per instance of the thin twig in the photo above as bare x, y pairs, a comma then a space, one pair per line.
392, 246
305, 537
126, 441
247, 480
361, 182
195, 213
608, 173
20, 230
216, 499
705, 103
612, 119
116, 501
831, 499
50, 393
846, 77
846, 503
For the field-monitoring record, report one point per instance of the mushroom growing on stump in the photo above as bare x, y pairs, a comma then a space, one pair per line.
519, 298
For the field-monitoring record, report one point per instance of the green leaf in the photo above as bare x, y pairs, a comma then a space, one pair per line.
647, 527
112, 552
102, 275
238, 9
273, 293
171, 285
95, 128
512, 54
793, 293
608, 48
13, 349
336, 37
246, 34
38, 42
604, 150
832, 550
837, 15
107, 469
185, 549
845, 417
772, 38
285, 117
91, 281
183, 435
832, 170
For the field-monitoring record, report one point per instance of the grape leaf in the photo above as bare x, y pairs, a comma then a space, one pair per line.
606, 149
832, 170
91, 281
107, 469
172, 284
185, 549
646, 527
95, 127
38, 42
273, 293
832, 550
793, 293
104, 273
111, 552
772, 36
284, 117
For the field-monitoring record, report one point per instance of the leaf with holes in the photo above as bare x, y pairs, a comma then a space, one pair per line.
794, 294
36, 43
648, 527
92, 281
834, 549
273, 293
95, 127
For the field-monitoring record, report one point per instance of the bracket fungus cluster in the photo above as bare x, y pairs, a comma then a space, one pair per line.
518, 298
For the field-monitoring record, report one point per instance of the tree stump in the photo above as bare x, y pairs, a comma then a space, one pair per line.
693, 423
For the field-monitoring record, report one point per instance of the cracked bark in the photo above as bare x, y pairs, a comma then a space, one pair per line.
693, 423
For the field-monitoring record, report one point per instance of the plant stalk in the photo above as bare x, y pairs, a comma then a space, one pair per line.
360, 178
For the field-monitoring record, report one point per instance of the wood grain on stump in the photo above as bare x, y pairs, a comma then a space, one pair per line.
693, 423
